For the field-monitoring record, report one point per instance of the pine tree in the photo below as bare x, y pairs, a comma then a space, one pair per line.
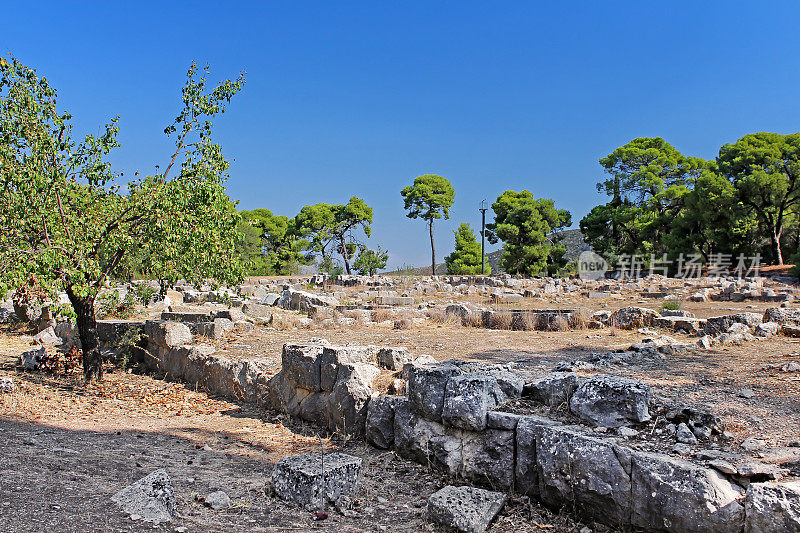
466, 258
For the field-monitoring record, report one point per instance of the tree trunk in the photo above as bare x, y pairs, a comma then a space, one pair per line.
776, 243
345, 257
87, 331
433, 249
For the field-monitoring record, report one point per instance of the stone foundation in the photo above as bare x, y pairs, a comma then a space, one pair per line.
449, 421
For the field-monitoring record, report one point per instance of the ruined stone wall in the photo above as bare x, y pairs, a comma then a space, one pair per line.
449, 420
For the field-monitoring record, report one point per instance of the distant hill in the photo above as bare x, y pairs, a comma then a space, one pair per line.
573, 239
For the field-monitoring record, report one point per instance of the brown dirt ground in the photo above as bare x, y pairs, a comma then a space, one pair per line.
86, 442
67, 447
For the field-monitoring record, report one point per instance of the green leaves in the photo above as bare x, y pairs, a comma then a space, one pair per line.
369, 262
525, 225
648, 179
65, 217
466, 258
430, 197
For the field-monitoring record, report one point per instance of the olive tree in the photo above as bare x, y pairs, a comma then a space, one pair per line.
69, 221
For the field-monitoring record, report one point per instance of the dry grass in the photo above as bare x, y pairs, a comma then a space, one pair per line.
382, 315
502, 320
580, 318
438, 316
472, 320
403, 323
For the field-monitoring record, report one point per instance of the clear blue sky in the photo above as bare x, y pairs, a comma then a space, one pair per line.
358, 98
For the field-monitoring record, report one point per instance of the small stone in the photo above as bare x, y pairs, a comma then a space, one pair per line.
750, 444
702, 432
7, 384
218, 500
746, 394
301, 478
682, 449
685, 435
723, 466
627, 432
152, 498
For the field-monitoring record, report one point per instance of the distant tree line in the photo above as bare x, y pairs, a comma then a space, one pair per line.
663, 203
525, 224
329, 234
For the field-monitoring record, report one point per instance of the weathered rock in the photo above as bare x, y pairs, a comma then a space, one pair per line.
721, 324
167, 334
217, 500
47, 337
412, 433
680, 323
333, 358
32, 359
685, 435
772, 508
257, 310
393, 358
394, 300
552, 389
782, 315
349, 399
611, 401
152, 498
313, 480
221, 327
426, 389
468, 400
501, 420
301, 365
233, 314
669, 494
464, 509
633, 317
767, 329
591, 472
7, 384
380, 421
486, 458
526, 476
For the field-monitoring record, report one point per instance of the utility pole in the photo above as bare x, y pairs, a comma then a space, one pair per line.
482, 209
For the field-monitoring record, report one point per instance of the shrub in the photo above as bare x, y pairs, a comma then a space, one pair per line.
672, 305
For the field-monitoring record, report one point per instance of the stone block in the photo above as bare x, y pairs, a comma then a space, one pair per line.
669, 494
314, 481
393, 358
586, 472
301, 365
379, 427
488, 458
552, 389
464, 509
772, 508
611, 401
